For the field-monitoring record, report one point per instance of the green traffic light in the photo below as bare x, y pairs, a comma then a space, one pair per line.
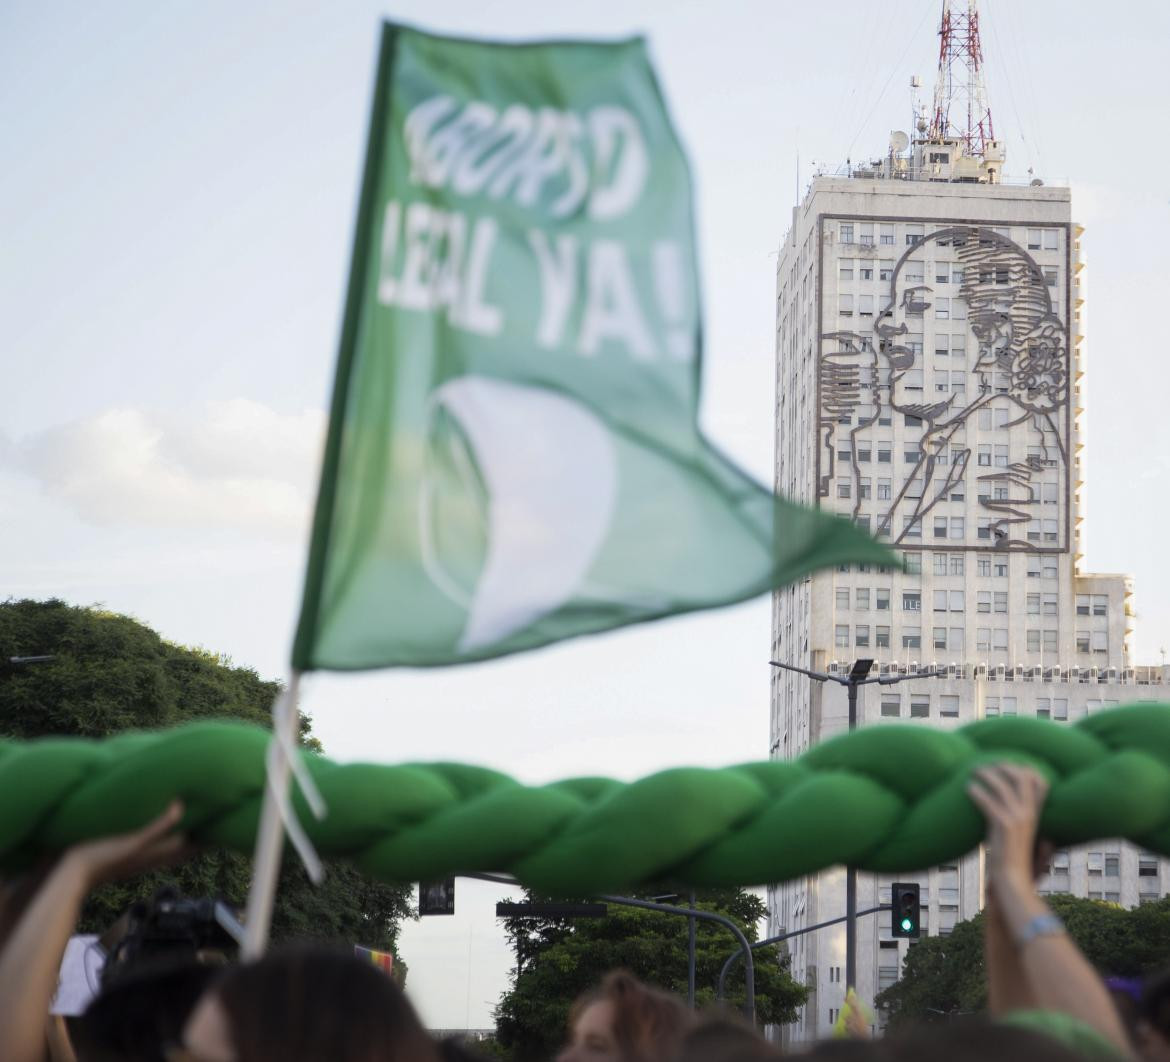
907, 924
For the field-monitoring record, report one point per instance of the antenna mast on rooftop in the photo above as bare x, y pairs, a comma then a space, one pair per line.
960, 98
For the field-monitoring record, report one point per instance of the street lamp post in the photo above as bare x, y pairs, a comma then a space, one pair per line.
859, 675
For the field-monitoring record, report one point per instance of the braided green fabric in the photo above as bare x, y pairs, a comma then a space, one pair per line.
885, 798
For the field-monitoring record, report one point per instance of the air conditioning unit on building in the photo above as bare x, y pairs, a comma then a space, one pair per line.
1074, 674
885, 669
1016, 673
1127, 674
834, 667
1109, 674
954, 670
1090, 674
981, 671
1035, 673
999, 672
1053, 674
912, 668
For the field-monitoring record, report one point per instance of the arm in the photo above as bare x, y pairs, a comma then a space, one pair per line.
1007, 985
31, 958
1056, 975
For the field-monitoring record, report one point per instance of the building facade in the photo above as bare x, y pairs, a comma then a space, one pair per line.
930, 371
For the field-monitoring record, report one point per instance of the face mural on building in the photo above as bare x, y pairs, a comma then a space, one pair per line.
1000, 437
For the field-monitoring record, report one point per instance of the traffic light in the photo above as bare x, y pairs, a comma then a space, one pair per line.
905, 914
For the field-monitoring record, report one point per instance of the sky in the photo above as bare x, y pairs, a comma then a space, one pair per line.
179, 189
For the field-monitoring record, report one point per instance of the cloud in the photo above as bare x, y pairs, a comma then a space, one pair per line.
239, 465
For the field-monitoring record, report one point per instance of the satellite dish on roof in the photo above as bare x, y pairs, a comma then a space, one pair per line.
899, 141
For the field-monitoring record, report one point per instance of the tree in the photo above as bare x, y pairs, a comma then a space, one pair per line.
111, 673
558, 959
945, 976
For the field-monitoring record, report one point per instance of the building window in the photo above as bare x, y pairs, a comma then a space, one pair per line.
1000, 601
845, 305
991, 706
881, 599
865, 234
861, 636
957, 564
845, 269
883, 489
914, 234
957, 527
891, 705
940, 531
983, 640
842, 597
881, 637
911, 638
911, 601
886, 234
913, 563
983, 566
939, 637
863, 599
1082, 640
919, 706
948, 705
885, 269
942, 309
845, 230
865, 302
841, 639
1033, 641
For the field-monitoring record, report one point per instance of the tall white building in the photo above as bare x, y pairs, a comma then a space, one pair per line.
930, 371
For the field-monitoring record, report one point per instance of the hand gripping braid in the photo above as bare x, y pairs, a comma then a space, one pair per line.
884, 798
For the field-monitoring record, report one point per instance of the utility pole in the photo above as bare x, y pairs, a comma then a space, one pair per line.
859, 675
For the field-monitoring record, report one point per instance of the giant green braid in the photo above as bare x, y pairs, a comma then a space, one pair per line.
885, 798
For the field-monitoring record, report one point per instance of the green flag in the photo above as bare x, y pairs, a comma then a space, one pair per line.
513, 453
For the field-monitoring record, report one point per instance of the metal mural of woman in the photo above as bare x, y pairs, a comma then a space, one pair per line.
1021, 373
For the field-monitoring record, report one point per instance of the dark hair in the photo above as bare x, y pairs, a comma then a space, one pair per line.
959, 1041
136, 1015
648, 1024
1155, 1004
313, 1003
723, 1037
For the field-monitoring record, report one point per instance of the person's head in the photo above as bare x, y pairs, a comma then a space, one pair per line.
960, 1041
136, 1015
303, 1005
724, 1038
626, 1021
1153, 1026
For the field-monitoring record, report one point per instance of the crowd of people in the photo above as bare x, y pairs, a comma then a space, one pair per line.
1046, 1002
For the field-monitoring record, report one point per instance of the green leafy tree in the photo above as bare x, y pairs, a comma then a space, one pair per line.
558, 959
945, 976
111, 673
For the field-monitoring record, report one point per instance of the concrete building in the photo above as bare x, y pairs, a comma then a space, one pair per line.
930, 378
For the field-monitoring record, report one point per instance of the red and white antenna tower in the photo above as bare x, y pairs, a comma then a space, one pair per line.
960, 98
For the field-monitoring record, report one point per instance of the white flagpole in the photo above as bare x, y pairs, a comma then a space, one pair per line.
270, 830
